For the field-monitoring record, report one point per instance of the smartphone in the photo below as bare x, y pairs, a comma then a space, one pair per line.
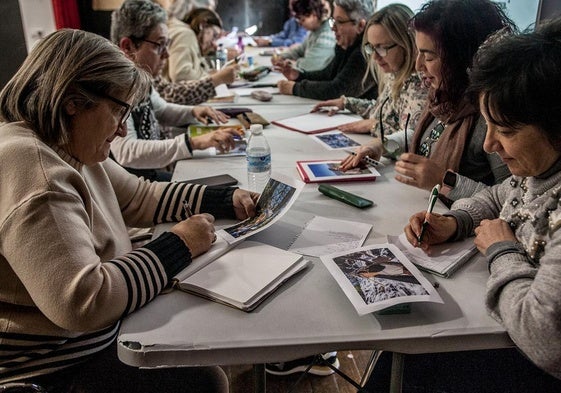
344, 196
218, 180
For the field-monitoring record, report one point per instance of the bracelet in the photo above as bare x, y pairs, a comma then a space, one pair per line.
188, 143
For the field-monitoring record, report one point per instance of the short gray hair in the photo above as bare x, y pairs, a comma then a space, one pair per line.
136, 19
357, 9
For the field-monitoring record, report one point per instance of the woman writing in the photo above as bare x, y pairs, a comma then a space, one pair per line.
391, 51
517, 224
67, 270
450, 132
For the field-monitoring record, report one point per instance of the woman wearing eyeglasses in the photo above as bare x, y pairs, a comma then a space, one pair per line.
344, 75
139, 28
68, 273
391, 52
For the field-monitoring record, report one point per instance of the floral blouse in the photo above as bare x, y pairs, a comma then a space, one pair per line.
412, 100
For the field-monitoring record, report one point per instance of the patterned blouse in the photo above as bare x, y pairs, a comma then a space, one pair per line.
412, 100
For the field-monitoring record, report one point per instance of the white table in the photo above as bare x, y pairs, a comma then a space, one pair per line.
310, 314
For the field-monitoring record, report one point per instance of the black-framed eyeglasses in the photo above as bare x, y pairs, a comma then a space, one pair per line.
335, 23
160, 46
433, 136
382, 51
125, 108
391, 147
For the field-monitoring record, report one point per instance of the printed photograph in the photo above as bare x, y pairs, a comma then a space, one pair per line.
327, 169
377, 275
336, 140
273, 200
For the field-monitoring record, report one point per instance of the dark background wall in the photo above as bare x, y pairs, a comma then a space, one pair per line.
13, 50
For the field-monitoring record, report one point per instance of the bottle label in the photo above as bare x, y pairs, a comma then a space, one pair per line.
259, 163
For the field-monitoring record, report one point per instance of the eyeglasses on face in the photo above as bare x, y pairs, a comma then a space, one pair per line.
336, 23
160, 46
434, 135
382, 51
126, 109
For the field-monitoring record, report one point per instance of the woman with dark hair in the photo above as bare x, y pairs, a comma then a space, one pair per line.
447, 145
316, 52
517, 224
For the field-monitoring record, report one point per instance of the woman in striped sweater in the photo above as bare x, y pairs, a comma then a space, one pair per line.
68, 273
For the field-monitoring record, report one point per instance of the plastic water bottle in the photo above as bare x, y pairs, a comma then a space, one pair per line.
221, 56
258, 155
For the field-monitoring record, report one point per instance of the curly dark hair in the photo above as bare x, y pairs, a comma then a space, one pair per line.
308, 7
458, 28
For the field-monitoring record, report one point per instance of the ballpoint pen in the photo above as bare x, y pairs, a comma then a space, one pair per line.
367, 159
187, 209
432, 200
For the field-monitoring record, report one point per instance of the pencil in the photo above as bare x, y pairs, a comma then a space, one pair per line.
367, 159
187, 209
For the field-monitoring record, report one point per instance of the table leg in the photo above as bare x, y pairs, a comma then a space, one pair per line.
397, 372
259, 378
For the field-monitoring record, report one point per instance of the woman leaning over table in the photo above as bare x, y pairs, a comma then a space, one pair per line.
68, 274
344, 74
517, 224
450, 132
390, 48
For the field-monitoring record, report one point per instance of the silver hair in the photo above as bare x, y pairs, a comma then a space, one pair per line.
357, 9
136, 19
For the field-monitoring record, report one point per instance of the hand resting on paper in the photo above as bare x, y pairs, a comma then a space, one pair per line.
223, 140
439, 229
354, 161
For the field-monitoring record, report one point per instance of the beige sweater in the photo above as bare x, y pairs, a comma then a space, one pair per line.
67, 273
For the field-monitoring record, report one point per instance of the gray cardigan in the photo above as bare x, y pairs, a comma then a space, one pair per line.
524, 287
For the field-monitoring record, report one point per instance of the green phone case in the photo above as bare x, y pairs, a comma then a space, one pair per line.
344, 196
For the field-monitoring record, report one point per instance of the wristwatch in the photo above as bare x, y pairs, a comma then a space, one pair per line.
448, 182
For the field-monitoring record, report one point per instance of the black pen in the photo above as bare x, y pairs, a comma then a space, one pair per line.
367, 159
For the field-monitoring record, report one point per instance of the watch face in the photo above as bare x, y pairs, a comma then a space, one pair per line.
450, 179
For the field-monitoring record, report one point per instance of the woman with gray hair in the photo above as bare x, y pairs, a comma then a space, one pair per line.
344, 75
139, 28
68, 273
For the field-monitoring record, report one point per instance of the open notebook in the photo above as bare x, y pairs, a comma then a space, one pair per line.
244, 276
445, 258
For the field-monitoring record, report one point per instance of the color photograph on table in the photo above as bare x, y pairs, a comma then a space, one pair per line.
316, 171
376, 277
335, 140
275, 200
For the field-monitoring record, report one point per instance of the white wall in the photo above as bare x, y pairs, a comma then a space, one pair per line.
38, 20
522, 12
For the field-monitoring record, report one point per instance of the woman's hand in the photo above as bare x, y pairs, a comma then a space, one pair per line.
244, 203
492, 231
204, 113
353, 161
439, 229
358, 127
226, 75
286, 87
197, 232
223, 140
332, 106
418, 171
290, 73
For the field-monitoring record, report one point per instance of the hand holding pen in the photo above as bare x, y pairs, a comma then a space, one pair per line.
432, 201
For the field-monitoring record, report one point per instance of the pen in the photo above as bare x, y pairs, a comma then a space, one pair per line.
432, 200
187, 209
262, 85
367, 159
235, 60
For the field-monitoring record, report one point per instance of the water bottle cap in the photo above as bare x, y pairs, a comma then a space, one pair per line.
256, 128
